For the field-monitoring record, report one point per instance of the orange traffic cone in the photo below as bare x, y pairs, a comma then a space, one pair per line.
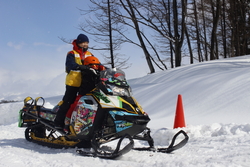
179, 121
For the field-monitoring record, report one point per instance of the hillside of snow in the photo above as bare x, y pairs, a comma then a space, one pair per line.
212, 92
215, 96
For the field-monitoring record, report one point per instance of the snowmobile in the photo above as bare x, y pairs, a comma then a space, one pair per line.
108, 113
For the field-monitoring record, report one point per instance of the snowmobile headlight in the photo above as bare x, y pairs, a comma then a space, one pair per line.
119, 91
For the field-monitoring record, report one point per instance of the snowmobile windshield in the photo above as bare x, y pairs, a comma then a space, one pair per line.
115, 82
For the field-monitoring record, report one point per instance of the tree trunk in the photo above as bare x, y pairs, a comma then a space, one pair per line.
204, 31
189, 47
197, 30
216, 17
138, 33
179, 36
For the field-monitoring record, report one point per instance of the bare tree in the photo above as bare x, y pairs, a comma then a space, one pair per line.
168, 22
162, 28
131, 11
179, 29
204, 31
216, 17
103, 27
197, 31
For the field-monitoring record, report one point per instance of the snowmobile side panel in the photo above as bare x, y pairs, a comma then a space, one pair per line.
84, 114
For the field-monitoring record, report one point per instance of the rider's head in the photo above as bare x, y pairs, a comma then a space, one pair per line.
92, 62
82, 41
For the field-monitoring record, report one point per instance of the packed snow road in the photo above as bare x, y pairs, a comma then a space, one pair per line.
214, 145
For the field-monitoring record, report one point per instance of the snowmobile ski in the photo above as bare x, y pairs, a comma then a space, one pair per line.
96, 151
171, 147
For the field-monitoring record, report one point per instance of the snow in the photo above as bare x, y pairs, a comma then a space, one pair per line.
215, 96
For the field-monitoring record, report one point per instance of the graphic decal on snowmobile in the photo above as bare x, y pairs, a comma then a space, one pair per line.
121, 124
84, 114
47, 115
113, 102
101, 97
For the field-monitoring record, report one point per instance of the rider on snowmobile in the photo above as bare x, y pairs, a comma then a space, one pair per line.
90, 79
74, 66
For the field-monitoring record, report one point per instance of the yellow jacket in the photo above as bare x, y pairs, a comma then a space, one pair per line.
74, 76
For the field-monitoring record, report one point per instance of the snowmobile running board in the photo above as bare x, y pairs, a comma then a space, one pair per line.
98, 152
171, 147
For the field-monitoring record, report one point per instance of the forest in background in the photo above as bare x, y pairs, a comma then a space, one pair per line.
168, 30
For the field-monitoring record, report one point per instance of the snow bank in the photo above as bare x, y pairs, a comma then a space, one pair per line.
216, 104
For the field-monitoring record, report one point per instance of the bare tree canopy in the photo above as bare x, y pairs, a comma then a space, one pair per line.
168, 30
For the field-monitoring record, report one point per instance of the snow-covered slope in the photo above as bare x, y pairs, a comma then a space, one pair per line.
215, 91
215, 96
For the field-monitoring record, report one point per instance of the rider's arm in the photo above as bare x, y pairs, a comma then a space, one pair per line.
71, 63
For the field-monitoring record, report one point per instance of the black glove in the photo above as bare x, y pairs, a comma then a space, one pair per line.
93, 71
83, 67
